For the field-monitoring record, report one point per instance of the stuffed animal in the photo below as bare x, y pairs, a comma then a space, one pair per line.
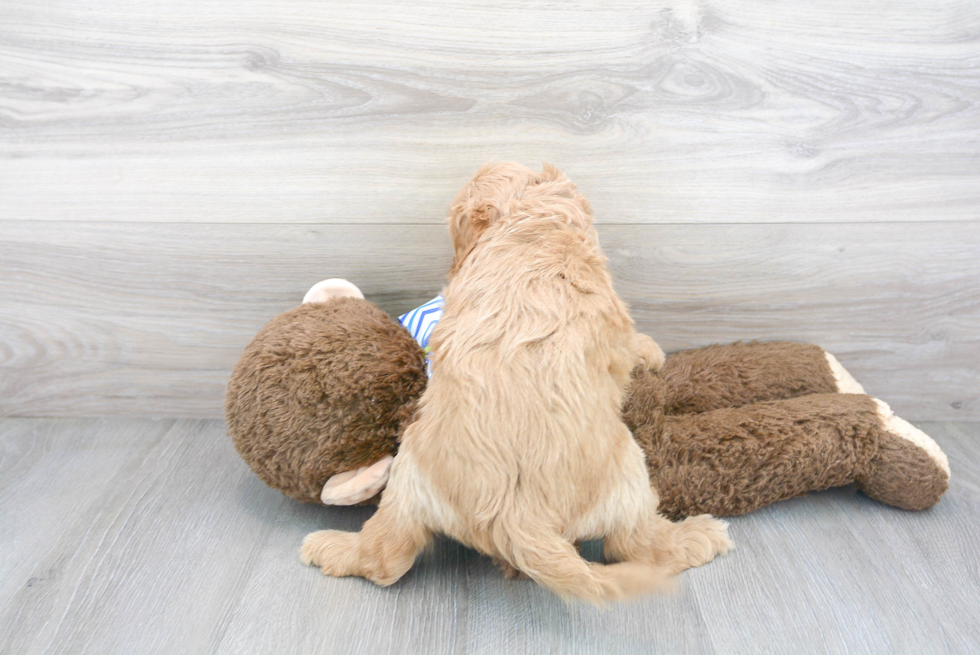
319, 398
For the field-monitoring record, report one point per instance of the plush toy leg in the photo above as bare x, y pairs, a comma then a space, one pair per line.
911, 470
732, 461
717, 377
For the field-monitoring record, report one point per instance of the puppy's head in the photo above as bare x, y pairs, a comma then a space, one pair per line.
482, 202
496, 192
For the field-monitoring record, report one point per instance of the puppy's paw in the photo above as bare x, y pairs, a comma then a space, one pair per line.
701, 538
648, 352
309, 551
331, 550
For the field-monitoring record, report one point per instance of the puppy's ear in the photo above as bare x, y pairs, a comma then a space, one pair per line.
484, 214
469, 219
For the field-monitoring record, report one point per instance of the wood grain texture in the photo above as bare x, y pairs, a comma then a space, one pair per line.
153, 533
672, 111
126, 535
137, 319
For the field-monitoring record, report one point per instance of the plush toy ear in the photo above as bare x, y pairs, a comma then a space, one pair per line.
352, 487
330, 289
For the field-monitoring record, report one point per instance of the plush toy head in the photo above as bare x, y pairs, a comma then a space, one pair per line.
322, 394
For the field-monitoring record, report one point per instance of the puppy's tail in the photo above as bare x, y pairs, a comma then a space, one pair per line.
555, 564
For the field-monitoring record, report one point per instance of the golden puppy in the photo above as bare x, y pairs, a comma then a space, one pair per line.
518, 448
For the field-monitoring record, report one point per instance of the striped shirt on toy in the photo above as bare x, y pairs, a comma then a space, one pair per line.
420, 322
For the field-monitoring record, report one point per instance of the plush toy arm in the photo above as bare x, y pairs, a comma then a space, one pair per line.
717, 377
732, 461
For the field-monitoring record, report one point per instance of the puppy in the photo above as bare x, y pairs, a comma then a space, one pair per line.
518, 448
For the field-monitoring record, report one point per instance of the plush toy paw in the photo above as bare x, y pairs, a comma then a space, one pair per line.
910, 470
845, 381
700, 539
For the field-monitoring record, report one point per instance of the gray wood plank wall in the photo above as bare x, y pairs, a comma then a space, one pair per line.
173, 175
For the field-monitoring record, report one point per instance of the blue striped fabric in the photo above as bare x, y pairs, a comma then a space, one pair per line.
420, 322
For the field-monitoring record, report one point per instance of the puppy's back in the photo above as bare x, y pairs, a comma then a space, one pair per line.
530, 363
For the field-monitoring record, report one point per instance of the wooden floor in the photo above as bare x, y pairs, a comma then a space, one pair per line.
147, 536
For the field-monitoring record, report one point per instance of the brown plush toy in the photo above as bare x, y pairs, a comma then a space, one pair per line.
318, 400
